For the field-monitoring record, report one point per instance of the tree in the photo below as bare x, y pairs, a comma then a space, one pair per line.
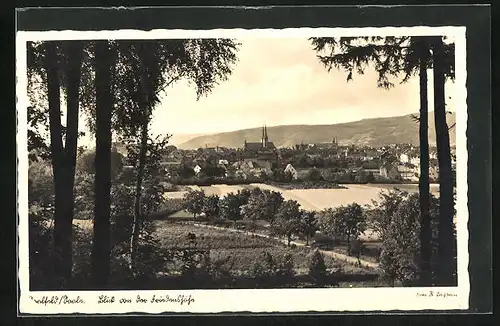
314, 175
327, 221
58, 65
194, 201
211, 170
397, 219
370, 178
186, 172
361, 176
104, 59
348, 221
288, 176
160, 64
351, 222
243, 196
262, 205
287, 220
152, 189
274, 200
308, 224
446, 272
211, 206
423, 185
86, 163
317, 267
145, 68
40, 190
253, 210
392, 56
230, 207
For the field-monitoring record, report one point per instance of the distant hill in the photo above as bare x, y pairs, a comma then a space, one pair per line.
371, 132
177, 139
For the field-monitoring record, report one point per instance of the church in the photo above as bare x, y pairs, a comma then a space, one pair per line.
263, 146
261, 152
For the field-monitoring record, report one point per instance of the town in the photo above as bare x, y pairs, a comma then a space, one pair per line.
332, 162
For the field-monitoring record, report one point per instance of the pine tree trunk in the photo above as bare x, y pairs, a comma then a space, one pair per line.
425, 224
446, 242
74, 72
102, 211
63, 159
62, 236
134, 239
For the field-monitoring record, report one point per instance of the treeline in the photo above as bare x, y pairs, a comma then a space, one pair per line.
395, 218
116, 84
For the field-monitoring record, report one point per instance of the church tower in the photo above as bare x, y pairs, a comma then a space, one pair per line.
264, 136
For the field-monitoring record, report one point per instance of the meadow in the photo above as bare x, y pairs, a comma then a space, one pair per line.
244, 250
314, 199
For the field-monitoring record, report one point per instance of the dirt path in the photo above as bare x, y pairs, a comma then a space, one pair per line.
335, 255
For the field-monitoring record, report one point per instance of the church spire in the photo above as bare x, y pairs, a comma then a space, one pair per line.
265, 136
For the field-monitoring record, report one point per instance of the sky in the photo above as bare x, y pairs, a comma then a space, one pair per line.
280, 81
277, 82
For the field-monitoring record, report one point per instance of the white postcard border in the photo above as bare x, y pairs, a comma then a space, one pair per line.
276, 300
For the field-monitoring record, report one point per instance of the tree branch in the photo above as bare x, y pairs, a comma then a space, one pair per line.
173, 80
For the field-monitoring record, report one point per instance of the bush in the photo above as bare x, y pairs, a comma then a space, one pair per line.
317, 267
286, 269
265, 268
171, 206
198, 267
211, 206
397, 219
40, 249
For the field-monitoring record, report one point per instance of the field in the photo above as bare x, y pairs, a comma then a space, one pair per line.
244, 250
315, 199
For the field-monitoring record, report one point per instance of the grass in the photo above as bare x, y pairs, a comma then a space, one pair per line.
370, 252
324, 184
243, 249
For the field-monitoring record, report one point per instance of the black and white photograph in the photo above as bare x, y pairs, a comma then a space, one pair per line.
233, 170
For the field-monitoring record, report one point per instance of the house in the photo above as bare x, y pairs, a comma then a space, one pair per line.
290, 169
415, 160
212, 147
170, 162
389, 171
197, 169
239, 174
406, 172
328, 145
375, 172
265, 165
433, 173
244, 166
354, 155
223, 162
304, 173
255, 168
372, 154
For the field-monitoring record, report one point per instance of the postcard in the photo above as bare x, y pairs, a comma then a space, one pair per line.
242, 170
